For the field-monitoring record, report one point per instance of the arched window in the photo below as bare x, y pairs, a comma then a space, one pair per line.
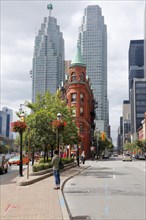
74, 112
81, 127
73, 76
82, 77
81, 111
81, 97
73, 97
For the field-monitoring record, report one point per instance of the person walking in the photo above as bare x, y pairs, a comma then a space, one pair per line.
56, 171
83, 157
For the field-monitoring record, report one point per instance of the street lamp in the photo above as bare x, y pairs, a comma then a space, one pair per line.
22, 119
78, 156
59, 115
96, 135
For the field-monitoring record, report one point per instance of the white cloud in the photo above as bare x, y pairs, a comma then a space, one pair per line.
21, 19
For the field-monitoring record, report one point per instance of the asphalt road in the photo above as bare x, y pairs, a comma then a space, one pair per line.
109, 189
13, 172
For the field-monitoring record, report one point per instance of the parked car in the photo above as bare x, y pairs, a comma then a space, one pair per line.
105, 156
3, 164
16, 160
115, 154
127, 157
136, 156
8, 156
141, 157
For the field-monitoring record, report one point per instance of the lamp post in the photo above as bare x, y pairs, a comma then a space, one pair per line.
28, 154
78, 156
59, 115
22, 119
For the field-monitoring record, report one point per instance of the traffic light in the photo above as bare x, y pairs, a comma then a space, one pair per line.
103, 136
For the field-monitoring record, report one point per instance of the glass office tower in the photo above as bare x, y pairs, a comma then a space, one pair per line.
145, 41
136, 60
48, 70
138, 103
137, 85
93, 43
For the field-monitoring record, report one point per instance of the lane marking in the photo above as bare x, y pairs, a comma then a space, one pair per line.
106, 210
62, 203
114, 177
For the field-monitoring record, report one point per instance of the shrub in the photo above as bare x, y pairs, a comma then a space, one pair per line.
42, 160
67, 160
41, 166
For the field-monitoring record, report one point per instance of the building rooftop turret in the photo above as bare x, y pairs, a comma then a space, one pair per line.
78, 58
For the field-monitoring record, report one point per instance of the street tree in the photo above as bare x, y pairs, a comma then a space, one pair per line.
141, 145
44, 112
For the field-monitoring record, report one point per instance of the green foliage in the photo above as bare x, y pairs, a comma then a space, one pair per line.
42, 160
39, 134
67, 160
5, 148
141, 145
129, 147
136, 146
104, 144
43, 166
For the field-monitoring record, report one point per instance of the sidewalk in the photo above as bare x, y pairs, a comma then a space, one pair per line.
37, 201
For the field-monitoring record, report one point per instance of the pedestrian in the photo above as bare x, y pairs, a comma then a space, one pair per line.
83, 157
64, 155
56, 172
92, 152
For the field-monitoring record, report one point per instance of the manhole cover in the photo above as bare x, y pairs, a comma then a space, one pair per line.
81, 217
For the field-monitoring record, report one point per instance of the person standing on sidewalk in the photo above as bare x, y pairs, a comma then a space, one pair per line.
55, 162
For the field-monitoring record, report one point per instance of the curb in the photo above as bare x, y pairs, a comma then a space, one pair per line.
63, 204
36, 178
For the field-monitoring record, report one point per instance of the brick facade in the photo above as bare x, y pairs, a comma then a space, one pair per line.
80, 96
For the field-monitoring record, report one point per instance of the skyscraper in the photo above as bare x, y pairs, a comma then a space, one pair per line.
137, 85
6, 117
136, 61
93, 43
48, 69
138, 105
126, 122
145, 41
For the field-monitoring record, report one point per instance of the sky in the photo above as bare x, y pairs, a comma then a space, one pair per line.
20, 22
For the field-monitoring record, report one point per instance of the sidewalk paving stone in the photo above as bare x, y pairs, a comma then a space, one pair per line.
37, 201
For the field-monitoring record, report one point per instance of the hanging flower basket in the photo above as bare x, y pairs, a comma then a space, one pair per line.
58, 124
18, 126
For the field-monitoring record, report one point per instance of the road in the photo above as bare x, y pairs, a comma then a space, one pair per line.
109, 189
13, 172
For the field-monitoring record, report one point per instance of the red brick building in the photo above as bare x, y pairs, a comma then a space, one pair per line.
79, 94
142, 129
